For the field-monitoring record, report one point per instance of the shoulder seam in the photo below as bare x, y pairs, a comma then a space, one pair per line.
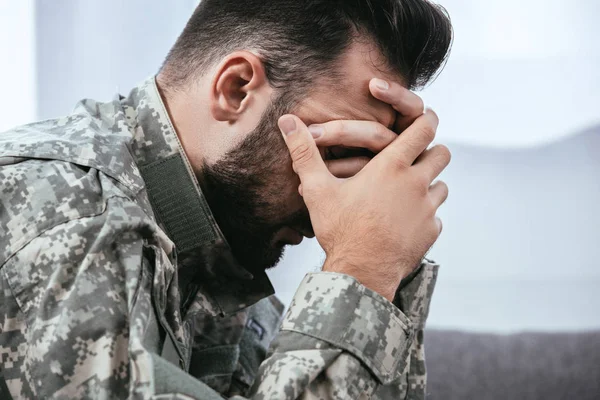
103, 210
79, 161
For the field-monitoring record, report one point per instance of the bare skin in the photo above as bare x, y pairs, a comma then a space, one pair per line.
375, 218
378, 224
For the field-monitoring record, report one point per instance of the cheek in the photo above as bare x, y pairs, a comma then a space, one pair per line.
283, 183
290, 189
287, 188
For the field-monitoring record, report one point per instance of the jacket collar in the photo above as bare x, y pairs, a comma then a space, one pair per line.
180, 207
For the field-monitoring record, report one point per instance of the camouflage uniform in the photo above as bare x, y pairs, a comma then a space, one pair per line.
116, 282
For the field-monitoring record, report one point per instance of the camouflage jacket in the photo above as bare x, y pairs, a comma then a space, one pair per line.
116, 282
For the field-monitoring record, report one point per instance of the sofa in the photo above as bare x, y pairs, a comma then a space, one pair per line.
523, 366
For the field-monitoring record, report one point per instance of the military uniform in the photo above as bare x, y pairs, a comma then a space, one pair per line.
116, 282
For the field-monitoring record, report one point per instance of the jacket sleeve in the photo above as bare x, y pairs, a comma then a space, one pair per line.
338, 340
413, 298
341, 340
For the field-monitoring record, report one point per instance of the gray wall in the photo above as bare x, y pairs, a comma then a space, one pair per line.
96, 48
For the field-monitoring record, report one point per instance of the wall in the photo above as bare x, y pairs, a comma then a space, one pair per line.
98, 48
17, 62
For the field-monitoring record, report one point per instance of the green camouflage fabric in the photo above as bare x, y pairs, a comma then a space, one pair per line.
116, 282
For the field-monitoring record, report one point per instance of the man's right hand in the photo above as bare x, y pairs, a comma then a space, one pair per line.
377, 225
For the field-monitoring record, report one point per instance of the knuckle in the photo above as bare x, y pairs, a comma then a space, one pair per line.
337, 127
301, 153
430, 232
434, 115
399, 160
438, 195
428, 132
443, 186
413, 104
444, 153
444, 191
438, 226
436, 165
422, 182
419, 103
380, 135
432, 227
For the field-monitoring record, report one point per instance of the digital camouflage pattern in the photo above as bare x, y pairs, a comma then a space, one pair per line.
116, 282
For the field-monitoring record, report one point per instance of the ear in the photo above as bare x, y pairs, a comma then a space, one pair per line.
239, 80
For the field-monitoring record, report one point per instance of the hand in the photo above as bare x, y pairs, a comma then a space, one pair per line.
372, 136
377, 225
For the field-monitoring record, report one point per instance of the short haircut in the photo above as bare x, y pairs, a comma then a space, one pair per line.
300, 40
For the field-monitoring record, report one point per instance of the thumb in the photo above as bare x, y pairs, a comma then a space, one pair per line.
306, 158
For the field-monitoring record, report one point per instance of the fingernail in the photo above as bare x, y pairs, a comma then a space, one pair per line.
381, 84
316, 131
287, 125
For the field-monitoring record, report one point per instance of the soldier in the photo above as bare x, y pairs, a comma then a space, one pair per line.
135, 233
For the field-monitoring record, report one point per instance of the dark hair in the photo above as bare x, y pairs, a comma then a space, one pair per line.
300, 40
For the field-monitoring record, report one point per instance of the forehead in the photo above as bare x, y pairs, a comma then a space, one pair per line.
348, 96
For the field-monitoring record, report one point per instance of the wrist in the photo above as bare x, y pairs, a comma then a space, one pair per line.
384, 281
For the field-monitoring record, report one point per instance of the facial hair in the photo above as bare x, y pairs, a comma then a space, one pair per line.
244, 191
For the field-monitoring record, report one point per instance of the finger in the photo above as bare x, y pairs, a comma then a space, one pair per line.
365, 134
438, 192
409, 105
305, 155
346, 167
439, 224
411, 143
433, 161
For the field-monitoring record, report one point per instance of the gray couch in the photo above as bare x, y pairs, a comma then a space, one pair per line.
526, 366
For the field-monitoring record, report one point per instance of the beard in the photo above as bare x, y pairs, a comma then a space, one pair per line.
246, 191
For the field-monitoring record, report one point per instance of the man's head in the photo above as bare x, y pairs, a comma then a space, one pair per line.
241, 64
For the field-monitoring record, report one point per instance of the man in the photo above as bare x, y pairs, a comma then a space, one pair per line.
136, 233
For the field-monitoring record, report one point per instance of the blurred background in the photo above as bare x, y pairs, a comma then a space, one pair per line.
519, 103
